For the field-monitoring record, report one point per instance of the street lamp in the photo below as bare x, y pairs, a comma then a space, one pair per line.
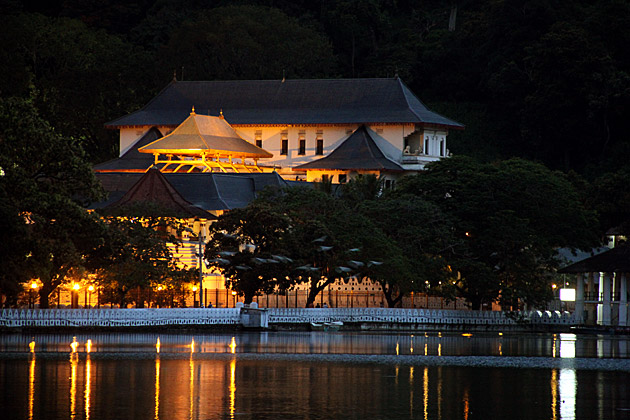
75, 295
34, 287
194, 289
234, 296
89, 297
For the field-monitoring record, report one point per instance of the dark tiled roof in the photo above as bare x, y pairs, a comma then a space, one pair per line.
153, 188
132, 160
615, 260
203, 133
358, 152
207, 191
320, 101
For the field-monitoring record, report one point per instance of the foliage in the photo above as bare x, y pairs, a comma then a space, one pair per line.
138, 258
235, 42
44, 176
252, 236
509, 218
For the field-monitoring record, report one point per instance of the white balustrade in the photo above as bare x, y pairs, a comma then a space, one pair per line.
231, 316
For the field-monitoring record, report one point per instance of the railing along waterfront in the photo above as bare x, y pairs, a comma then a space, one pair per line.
12, 318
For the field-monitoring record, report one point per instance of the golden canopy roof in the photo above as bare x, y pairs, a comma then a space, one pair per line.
205, 135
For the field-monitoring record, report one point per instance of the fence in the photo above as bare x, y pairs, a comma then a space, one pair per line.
13, 318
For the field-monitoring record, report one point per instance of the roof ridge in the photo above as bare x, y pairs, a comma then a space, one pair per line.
285, 81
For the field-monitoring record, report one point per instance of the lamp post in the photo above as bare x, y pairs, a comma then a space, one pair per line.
194, 289
75, 296
201, 243
33, 293
90, 289
234, 297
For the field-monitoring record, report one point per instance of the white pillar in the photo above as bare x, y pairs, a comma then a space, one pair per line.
623, 302
603, 309
579, 300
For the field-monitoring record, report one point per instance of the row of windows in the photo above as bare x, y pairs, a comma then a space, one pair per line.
284, 147
284, 143
343, 178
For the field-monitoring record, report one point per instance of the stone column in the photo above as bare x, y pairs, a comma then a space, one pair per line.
623, 302
591, 307
579, 300
603, 309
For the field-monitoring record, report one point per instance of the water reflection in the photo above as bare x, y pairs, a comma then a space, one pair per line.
135, 384
157, 386
88, 382
31, 384
434, 344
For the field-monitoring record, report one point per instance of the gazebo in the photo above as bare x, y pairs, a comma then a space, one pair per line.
602, 287
205, 143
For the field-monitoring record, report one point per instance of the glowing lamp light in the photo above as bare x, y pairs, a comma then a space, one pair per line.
34, 285
74, 345
567, 295
233, 293
76, 286
91, 288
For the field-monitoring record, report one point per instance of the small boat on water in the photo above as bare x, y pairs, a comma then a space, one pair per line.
326, 326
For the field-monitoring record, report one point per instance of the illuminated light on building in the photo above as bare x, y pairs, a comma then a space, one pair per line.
567, 295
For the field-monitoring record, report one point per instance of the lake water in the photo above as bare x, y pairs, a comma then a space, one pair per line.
314, 375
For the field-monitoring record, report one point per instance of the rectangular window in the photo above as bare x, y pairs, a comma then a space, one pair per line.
302, 148
426, 145
285, 147
258, 138
325, 178
319, 142
442, 148
342, 178
284, 143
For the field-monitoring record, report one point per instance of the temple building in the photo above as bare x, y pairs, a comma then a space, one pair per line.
301, 121
202, 148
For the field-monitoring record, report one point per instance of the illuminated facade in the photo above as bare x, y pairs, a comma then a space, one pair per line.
244, 135
302, 121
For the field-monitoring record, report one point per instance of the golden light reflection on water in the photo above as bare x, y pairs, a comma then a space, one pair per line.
411, 391
191, 365
157, 386
74, 362
233, 345
554, 393
31, 383
232, 388
466, 399
157, 345
425, 399
88, 382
